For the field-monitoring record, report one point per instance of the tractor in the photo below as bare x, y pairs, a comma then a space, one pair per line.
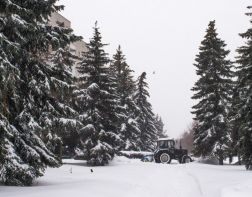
166, 151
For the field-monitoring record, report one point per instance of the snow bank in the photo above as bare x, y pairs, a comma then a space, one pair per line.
208, 160
134, 154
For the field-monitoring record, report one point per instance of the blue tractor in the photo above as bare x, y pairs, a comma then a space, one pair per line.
166, 151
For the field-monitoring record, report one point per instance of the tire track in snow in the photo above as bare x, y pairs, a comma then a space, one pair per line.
196, 181
163, 180
154, 184
175, 181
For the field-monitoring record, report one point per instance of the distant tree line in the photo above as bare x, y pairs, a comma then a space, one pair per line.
186, 139
223, 92
44, 107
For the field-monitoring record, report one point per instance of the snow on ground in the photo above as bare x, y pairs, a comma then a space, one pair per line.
133, 178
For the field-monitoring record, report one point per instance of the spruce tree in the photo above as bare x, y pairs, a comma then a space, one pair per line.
244, 88
27, 104
234, 125
212, 91
97, 104
48, 83
125, 87
119, 69
64, 126
145, 117
160, 127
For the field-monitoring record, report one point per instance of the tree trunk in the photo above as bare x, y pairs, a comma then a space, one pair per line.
239, 159
221, 157
230, 159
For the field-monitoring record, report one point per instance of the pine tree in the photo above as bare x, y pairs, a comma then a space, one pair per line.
125, 87
145, 117
160, 127
119, 69
97, 104
244, 88
49, 85
212, 90
234, 124
64, 127
27, 104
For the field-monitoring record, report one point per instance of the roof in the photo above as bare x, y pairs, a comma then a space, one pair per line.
161, 139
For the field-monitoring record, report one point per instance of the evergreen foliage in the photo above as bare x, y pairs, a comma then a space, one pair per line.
125, 87
161, 133
213, 92
244, 89
28, 106
97, 104
145, 117
234, 124
64, 126
121, 71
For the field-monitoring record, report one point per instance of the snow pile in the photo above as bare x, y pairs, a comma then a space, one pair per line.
134, 154
208, 160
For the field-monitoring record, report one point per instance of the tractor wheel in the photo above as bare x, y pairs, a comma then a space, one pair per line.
186, 159
165, 158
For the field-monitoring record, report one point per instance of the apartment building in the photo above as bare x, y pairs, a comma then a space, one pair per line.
76, 48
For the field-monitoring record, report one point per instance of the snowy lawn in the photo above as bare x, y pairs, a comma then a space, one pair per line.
133, 178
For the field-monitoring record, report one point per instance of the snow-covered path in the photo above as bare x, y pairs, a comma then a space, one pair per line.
132, 178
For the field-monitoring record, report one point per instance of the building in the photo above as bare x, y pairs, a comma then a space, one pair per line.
76, 48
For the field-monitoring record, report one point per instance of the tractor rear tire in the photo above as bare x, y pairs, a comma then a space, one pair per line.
165, 158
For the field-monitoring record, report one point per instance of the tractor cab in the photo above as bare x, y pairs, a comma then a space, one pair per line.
164, 143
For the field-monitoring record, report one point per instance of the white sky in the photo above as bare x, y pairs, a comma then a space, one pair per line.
161, 36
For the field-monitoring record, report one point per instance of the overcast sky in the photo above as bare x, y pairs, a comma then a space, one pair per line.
161, 36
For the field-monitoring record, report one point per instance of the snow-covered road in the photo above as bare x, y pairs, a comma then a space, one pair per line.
132, 178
